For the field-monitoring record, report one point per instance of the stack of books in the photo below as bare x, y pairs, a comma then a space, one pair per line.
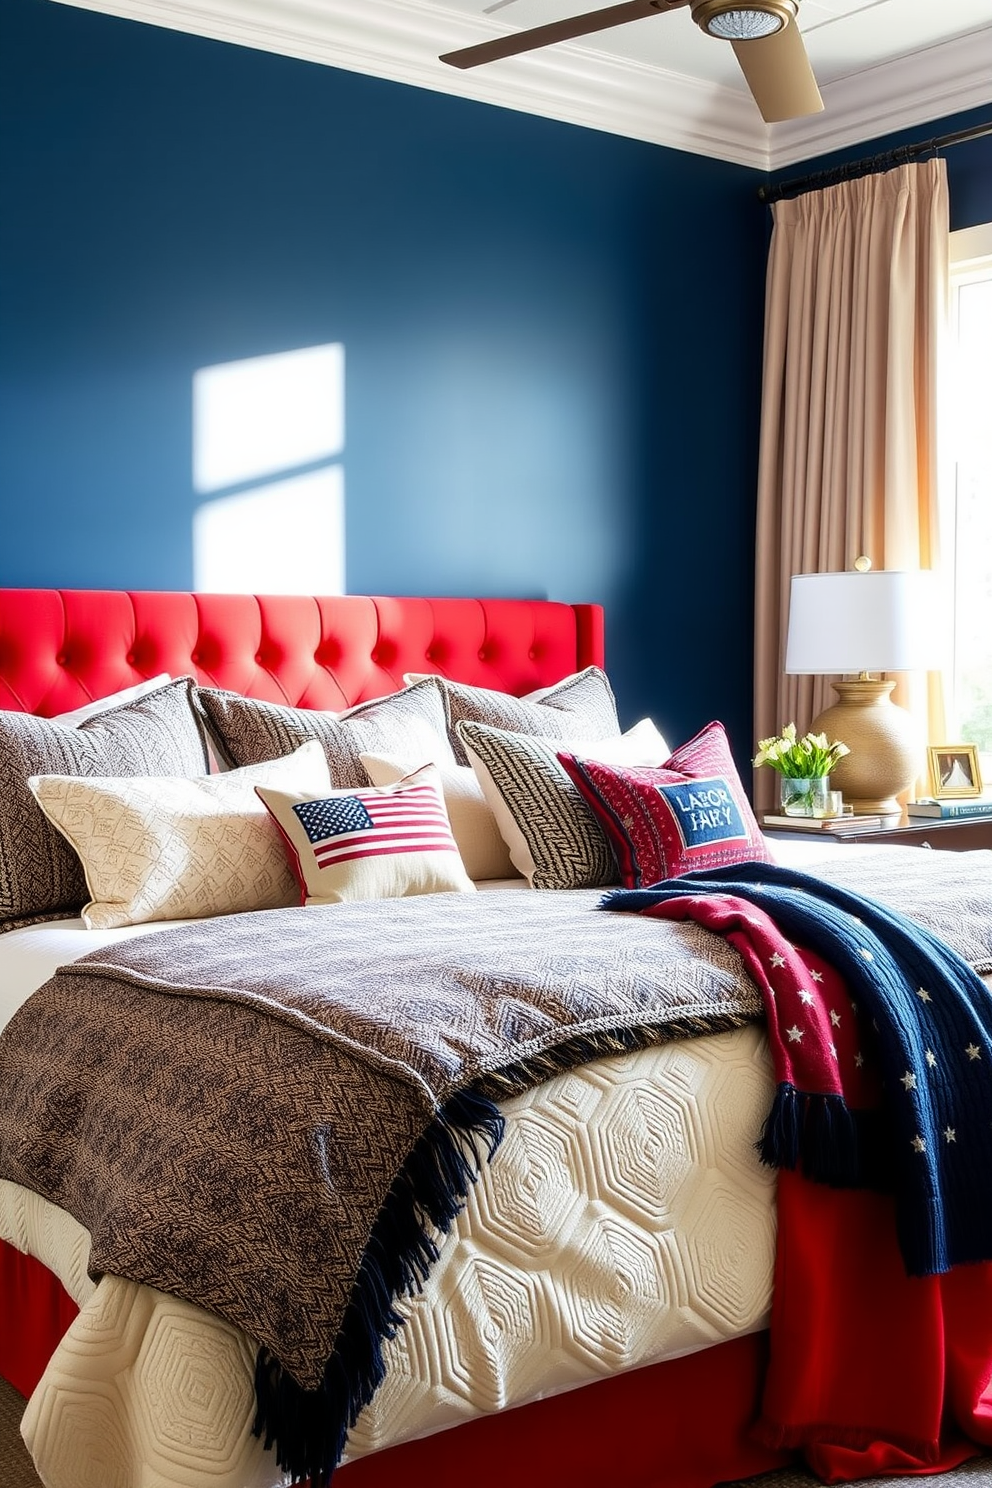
951, 810
840, 826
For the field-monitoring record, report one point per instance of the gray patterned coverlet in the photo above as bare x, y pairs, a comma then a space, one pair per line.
948, 893
227, 1105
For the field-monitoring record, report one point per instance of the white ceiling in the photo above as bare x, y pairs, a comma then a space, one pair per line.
882, 65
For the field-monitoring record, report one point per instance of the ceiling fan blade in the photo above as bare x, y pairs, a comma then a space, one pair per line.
542, 36
778, 73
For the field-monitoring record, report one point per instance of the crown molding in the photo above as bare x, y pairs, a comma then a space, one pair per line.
942, 80
400, 40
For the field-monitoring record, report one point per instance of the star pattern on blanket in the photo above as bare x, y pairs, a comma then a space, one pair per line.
800, 976
809, 980
917, 1045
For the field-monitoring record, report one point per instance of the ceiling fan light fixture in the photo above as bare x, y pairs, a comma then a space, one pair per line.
743, 25
732, 21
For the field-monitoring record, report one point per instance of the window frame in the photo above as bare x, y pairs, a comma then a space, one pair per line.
969, 262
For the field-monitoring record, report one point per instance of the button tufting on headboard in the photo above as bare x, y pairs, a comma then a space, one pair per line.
60, 648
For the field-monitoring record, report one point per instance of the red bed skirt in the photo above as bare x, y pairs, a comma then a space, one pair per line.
682, 1424
35, 1311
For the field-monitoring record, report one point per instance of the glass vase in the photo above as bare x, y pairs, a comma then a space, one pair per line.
805, 797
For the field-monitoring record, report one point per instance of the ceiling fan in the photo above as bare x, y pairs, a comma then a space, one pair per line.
763, 33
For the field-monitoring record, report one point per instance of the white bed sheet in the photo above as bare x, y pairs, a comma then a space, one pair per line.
29, 956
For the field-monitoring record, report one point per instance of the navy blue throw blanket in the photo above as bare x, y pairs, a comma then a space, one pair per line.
933, 1017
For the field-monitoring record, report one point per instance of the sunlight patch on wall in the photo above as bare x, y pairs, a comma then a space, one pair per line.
286, 538
264, 417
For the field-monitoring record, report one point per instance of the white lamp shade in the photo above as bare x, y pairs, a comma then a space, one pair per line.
843, 623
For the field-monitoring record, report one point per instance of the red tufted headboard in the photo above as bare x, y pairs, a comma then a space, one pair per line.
61, 647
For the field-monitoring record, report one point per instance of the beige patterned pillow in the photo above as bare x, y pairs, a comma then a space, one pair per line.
248, 732
473, 826
175, 849
553, 837
581, 706
156, 734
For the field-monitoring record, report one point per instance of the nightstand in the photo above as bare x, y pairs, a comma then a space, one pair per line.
960, 834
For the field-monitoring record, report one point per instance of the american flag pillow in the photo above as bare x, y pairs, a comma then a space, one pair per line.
370, 844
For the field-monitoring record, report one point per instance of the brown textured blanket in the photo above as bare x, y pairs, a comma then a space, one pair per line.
232, 1107
227, 1105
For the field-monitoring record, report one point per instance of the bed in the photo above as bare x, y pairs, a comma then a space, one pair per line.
633, 1349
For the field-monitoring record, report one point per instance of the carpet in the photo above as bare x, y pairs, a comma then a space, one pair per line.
15, 1464
974, 1474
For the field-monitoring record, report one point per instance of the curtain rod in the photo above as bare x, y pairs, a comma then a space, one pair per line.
901, 155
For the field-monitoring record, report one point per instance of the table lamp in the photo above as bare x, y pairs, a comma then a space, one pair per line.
853, 624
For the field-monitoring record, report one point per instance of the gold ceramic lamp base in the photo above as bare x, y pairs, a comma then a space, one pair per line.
887, 750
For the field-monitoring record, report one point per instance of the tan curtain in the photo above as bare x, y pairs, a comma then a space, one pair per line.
855, 304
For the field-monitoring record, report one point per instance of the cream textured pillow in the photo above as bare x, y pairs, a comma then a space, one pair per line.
554, 838
473, 826
165, 848
370, 844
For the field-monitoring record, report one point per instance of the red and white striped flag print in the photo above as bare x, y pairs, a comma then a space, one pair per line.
366, 824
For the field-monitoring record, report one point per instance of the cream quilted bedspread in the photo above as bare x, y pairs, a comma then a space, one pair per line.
625, 1219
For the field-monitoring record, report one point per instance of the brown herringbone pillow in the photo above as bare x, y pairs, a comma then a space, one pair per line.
249, 732
581, 706
40, 875
553, 837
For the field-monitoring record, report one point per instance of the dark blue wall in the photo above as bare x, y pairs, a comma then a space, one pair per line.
552, 335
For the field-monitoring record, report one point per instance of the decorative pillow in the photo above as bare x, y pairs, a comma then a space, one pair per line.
473, 826
248, 732
370, 844
96, 706
554, 839
155, 848
691, 813
40, 875
579, 707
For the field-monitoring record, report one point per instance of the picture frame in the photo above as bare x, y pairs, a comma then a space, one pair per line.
954, 771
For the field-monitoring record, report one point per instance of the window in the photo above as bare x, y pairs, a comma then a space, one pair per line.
967, 405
